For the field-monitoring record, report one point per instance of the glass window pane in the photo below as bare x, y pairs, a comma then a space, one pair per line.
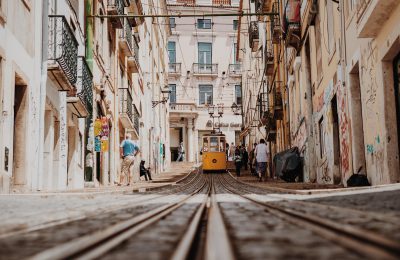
235, 24
205, 94
172, 52
172, 22
172, 95
204, 23
214, 147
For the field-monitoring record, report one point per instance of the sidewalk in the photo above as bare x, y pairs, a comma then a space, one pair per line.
27, 211
302, 188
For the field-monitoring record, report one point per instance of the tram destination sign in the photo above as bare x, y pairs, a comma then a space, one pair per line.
216, 124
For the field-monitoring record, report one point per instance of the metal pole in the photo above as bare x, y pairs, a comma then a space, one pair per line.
180, 15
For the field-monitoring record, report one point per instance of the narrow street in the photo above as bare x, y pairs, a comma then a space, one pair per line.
210, 216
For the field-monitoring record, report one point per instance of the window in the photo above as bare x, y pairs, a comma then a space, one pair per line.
172, 95
172, 23
203, 23
172, 52
321, 137
205, 95
205, 53
238, 94
234, 53
235, 25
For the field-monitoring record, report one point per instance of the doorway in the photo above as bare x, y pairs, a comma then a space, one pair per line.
336, 141
19, 138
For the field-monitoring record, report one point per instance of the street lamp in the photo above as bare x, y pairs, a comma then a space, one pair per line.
211, 110
165, 96
236, 109
220, 112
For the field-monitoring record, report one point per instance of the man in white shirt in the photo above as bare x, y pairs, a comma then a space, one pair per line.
262, 155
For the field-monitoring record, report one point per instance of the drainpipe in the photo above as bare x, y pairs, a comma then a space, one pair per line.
42, 91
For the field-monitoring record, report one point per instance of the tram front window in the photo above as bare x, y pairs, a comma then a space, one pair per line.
214, 144
222, 144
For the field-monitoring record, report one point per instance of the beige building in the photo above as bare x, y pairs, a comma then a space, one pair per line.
203, 71
336, 100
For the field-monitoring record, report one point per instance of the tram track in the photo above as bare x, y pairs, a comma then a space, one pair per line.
364, 242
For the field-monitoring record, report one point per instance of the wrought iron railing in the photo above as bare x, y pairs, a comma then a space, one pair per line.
117, 4
235, 69
275, 23
174, 68
126, 34
221, 2
63, 46
253, 33
136, 119
125, 102
85, 79
205, 68
135, 46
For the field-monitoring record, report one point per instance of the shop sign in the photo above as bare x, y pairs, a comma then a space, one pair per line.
97, 127
104, 144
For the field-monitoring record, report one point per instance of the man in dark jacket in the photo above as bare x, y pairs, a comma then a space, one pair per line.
245, 156
144, 172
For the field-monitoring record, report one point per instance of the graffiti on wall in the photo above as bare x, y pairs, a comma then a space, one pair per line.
368, 73
344, 129
325, 97
300, 136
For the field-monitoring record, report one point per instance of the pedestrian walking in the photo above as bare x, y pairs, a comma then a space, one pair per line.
245, 157
145, 171
181, 152
252, 160
231, 151
261, 153
238, 161
128, 150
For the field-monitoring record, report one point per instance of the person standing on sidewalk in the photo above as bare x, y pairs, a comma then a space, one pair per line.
237, 158
181, 152
145, 171
128, 150
261, 152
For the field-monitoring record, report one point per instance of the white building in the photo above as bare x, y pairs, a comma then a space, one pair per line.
202, 71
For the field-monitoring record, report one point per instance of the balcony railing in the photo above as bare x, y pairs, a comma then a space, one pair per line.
116, 7
125, 103
85, 80
253, 35
126, 38
174, 68
221, 2
235, 69
202, 68
63, 47
181, 107
133, 61
136, 119
276, 29
269, 58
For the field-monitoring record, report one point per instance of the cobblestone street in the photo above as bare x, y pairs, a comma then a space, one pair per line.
45, 223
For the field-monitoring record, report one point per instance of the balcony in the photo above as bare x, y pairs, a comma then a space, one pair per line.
372, 14
135, 7
133, 60
62, 53
201, 69
276, 28
270, 125
269, 58
278, 104
235, 70
221, 2
126, 39
179, 110
136, 120
116, 7
82, 102
174, 69
126, 108
292, 24
253, 36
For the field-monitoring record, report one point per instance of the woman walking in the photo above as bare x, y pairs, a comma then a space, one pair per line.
237, 158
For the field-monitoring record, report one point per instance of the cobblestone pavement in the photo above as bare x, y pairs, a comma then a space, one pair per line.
255, 232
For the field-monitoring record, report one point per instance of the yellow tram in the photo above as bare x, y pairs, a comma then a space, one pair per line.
213, 152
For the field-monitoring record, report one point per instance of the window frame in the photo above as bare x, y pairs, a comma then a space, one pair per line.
172, 95
204, 92
171, 51
238, 86
204, 23
172, 25
201, 51
235, 25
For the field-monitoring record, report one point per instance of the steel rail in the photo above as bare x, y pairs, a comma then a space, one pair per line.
362, 241
94, 245
135, 203
218, 245
187, 240
180, 15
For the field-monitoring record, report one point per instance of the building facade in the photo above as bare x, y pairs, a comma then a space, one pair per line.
203, 72
336, 64
73, 85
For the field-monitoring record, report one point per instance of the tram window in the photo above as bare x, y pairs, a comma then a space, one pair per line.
214, 144
222, 144
205, 144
